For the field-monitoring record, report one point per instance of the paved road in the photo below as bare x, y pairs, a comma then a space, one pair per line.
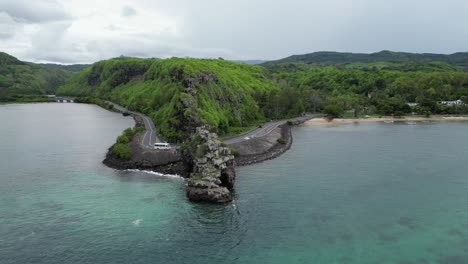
265, 129
150, 137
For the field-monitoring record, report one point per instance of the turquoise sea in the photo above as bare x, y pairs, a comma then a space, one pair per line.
348, 193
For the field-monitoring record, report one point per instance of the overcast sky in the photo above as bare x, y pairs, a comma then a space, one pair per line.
84, 31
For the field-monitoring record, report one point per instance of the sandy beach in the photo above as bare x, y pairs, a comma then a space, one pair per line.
387, 119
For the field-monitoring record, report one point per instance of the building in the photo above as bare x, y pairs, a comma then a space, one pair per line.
450, 103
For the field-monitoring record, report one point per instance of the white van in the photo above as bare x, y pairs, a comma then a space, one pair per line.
162, 146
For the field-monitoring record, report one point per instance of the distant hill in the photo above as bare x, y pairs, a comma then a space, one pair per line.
6, 60
72, 68
23, 78
252, 62
459, 60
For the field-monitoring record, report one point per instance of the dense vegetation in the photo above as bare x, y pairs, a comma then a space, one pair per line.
459, 60
368, 90
21, 98
94, 100
19, 78
122, 147
181, 94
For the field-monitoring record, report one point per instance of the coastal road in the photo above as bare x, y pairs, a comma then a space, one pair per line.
266, 129
149, 137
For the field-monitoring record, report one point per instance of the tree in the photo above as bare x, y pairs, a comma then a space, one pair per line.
315, 99
427, 105
333, 111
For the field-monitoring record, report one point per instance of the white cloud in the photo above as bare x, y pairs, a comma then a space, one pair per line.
26, 11
76, 31
8, 26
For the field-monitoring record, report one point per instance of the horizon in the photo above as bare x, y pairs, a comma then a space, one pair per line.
234, 60
77, 32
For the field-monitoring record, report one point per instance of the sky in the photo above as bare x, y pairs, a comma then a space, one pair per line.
86, 31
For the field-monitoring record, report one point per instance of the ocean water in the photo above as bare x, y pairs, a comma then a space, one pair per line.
349, 193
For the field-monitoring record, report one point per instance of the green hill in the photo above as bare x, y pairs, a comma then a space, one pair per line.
458, 60
21, 78
181, 94
72, 67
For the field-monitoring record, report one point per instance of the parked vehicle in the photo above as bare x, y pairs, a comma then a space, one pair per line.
163, 146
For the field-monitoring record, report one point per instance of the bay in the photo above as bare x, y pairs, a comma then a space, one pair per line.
348, 193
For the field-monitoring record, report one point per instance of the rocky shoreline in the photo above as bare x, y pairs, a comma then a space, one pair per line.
113, 161
207, 163
170, 162
272, 153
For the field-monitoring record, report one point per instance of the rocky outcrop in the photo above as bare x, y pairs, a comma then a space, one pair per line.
174, 167
212, 168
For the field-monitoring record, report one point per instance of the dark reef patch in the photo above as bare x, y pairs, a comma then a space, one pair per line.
386, 238
407, 222
346, 236
455, 232
456, 259
68, 219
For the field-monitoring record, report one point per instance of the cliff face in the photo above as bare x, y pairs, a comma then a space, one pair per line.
181, 94
212, 165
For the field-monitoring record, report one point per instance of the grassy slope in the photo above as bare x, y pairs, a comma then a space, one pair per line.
20, 78
180, 94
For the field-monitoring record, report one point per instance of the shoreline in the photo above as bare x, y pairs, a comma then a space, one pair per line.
386, 119
137, 162
275, 151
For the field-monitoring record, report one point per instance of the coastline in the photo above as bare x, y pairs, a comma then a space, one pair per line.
177, 167
386, 119
275, 151
141, 161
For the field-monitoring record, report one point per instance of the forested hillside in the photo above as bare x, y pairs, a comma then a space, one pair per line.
181, 94
19, 78
457, 60
368, 89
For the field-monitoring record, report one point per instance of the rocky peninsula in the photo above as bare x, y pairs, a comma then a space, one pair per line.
204, 159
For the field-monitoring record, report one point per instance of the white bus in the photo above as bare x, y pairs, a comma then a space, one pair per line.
162, 146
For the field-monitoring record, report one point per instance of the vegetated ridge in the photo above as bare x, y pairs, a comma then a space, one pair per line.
458, 60
23, 81
182, 94
376, 84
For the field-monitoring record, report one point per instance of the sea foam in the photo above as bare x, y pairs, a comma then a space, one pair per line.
157, 173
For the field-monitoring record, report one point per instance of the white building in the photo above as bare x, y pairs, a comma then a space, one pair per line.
450, 103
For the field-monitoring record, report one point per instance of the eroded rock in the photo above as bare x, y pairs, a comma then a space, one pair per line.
212, 177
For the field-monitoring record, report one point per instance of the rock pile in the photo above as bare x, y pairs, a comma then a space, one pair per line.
212, 177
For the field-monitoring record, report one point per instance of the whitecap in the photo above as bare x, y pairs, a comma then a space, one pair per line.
157, 173
137, 222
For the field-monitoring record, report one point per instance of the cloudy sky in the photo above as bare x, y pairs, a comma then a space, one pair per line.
83, 31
